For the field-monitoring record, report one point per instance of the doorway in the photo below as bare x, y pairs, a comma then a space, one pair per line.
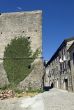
66, 84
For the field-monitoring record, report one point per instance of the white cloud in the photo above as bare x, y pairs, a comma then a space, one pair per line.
19, 8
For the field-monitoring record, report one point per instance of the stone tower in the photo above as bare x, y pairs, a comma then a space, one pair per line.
27, 24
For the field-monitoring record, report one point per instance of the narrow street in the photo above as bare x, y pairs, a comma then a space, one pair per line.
54, 99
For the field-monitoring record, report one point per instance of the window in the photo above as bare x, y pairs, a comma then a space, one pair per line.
69, 65
64, 51
62, 67
65, 65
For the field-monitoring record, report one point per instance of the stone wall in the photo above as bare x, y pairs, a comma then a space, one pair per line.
72, 65
3, 77
18, 24
34, 80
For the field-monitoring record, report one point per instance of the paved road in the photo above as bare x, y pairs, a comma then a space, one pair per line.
55, 99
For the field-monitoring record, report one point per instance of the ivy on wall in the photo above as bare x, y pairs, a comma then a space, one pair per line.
18, 57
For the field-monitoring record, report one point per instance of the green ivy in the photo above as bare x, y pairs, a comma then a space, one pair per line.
18, 57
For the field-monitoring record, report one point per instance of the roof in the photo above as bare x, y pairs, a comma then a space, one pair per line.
69, 39
71, 47
60, 47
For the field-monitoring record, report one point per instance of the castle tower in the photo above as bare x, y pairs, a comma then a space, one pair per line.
27, 24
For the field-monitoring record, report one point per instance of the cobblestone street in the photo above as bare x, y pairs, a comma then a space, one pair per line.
55, 99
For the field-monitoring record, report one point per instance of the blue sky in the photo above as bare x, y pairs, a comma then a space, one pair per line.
58, 19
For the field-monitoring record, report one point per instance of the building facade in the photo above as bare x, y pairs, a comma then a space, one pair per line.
59, 67
71, 53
